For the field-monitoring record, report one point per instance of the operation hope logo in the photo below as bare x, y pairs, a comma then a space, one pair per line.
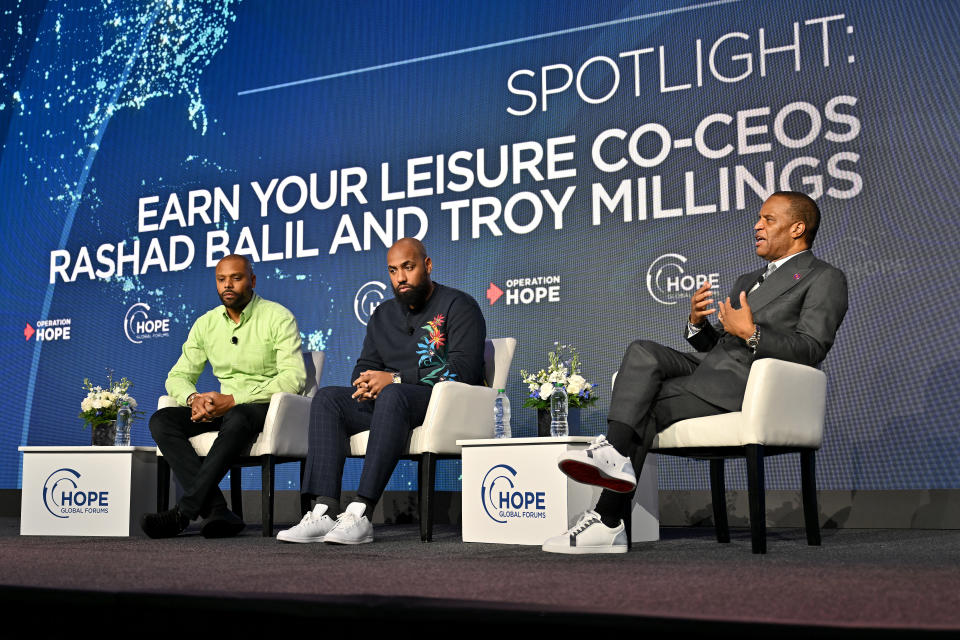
63, 496
48, 330
503, 500
667, 281
526, 290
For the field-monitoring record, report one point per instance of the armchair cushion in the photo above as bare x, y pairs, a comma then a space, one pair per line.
457, 411
783, 406
285, 429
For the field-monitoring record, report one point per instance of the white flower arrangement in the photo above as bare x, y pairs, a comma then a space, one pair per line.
564, 369
101, 404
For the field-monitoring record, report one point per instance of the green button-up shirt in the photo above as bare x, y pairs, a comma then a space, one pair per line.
252, 359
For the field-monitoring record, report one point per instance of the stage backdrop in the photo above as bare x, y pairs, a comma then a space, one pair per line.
576, 167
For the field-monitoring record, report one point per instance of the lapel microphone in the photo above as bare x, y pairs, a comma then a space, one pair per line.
235, 340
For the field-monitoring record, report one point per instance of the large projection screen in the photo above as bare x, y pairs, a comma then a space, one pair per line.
577, 167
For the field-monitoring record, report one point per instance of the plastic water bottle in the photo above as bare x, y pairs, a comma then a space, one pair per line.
122, 438
558, 412
501, 415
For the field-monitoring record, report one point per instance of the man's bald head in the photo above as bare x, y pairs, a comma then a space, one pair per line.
409, 244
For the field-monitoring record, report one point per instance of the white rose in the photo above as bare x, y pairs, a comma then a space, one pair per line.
546, 390
86, 405
575, 384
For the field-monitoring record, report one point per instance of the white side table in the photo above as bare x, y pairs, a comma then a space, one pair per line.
513, 492
87, 491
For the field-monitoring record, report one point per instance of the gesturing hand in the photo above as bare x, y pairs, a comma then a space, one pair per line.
700, 304
738, 322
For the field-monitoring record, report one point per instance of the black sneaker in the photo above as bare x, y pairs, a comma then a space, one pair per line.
222, 524
165, 524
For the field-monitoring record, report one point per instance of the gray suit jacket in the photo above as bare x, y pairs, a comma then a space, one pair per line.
798, 310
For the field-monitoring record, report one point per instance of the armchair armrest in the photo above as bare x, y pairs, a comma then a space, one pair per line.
457, 411
784, 404
286, 427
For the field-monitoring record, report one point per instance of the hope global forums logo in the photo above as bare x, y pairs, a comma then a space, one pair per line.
138, 325
667, 282
63, 497
367, 299
502, 500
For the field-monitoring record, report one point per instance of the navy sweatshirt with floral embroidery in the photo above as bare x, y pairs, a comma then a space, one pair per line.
443, 340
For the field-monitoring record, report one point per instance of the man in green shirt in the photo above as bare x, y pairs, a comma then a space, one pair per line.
253, 347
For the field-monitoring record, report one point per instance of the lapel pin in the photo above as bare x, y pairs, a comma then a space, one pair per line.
796, 276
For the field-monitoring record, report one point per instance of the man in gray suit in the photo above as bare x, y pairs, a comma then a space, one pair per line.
789, 310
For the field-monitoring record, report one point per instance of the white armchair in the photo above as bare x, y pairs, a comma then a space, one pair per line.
284, 439
457, 411
783, 412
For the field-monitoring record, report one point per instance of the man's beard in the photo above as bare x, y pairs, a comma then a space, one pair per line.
415, 296
239, 301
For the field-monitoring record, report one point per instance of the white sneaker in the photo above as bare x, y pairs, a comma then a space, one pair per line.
600, 464
312, 528
589, 535
352, 526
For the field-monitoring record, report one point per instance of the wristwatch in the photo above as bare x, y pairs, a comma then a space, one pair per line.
754, 340
190, 398
396, 378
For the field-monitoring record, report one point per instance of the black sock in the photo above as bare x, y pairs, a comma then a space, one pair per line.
611, 506
369, 504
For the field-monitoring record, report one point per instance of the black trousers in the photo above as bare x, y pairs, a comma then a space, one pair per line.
200, 477
650, 395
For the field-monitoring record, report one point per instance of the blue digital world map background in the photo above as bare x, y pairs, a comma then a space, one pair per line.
574, 166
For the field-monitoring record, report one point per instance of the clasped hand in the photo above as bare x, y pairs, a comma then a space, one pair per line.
370, 383
209, 405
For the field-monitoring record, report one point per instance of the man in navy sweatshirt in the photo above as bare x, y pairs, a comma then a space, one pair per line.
426, 334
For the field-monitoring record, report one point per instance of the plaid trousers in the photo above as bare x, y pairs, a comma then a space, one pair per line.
335, 416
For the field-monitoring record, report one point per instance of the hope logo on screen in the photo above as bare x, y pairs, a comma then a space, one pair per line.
368, 298
667, 281
139, 325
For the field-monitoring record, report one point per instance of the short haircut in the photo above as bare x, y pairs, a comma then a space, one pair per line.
247, 265
805, 210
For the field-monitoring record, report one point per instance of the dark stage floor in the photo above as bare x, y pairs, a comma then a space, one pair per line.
859, 579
